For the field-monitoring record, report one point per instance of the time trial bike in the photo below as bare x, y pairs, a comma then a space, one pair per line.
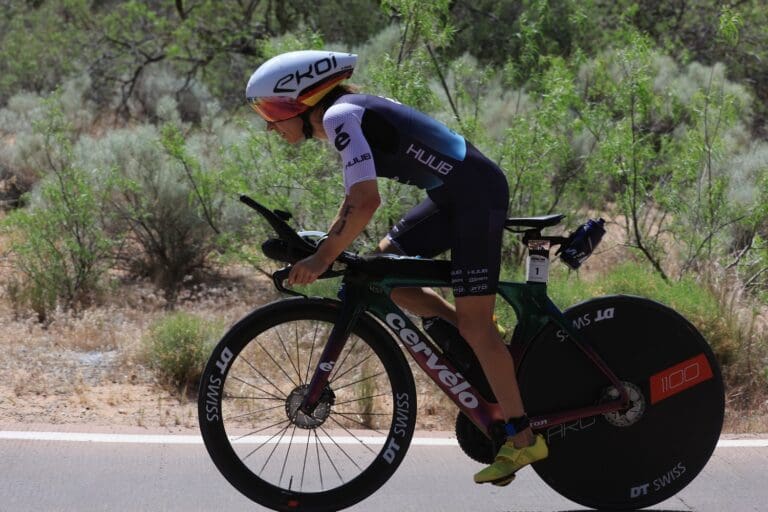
310, 404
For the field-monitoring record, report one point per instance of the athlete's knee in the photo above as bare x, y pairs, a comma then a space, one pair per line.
387, 246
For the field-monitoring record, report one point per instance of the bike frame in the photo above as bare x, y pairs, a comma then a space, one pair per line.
532, 307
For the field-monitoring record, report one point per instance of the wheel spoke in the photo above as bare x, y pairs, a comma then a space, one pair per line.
354, 436
262, 429
279, 366
257, 388
360, 399
262, 375
265, 443
317, 454
238, 397
342, 413
256, 412
359, 381
330, 459
342, 450
358, 422
282, 343
304, 466
287, 452
337, 377
269, 457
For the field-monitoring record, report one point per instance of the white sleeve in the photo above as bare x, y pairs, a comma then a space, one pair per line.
343, 126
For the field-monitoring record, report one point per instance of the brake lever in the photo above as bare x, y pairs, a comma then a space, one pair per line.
281, 275
278, 277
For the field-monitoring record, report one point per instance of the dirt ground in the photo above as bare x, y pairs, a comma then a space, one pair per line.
86, 370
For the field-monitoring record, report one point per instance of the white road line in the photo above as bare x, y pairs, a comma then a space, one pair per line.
196, 439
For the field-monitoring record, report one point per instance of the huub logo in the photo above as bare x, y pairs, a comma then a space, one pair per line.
429, 159
358, 160
317, 69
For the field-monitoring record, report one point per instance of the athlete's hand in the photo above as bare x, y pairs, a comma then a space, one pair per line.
307, 270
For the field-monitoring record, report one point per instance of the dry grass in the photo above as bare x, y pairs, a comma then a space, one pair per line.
86, 368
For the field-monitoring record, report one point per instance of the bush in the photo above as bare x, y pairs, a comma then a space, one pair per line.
177, 347
59, 244
154, 205
691, 299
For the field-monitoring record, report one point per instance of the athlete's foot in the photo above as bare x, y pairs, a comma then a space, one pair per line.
510, 459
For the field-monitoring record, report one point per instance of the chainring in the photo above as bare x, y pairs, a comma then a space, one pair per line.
473, 442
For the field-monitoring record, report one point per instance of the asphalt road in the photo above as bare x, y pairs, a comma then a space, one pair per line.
175, 474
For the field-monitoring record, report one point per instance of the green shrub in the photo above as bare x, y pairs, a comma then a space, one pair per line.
177, 347
155, 205
59, 243
693, 300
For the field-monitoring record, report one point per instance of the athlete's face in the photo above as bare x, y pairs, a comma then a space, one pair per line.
290, 129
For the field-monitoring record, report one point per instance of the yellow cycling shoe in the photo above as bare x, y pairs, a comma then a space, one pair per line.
511, 459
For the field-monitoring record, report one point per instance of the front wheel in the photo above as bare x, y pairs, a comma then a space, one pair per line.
281, 457
637, 457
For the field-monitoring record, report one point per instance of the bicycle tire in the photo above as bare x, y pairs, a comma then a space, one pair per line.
287, 460
648, 453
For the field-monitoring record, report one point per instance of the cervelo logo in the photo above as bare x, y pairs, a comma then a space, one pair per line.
292, 81
454, 382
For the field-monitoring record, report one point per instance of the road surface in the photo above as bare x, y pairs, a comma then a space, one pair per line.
82, 472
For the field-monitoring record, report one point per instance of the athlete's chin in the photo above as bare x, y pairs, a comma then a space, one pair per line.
291, 139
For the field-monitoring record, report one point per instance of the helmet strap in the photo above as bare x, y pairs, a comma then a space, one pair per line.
307, 125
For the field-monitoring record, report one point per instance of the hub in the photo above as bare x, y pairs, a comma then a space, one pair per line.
319, 414
630, 415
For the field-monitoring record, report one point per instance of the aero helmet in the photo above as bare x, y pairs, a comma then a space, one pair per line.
291, 83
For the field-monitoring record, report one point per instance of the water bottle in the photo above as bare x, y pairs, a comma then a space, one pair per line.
580, 244
456, 349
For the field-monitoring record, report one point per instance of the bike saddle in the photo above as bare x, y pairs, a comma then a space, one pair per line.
540, 222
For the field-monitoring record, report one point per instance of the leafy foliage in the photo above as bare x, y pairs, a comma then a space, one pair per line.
177, 347
59, 243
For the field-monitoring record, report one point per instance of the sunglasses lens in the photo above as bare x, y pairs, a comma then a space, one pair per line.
276, 108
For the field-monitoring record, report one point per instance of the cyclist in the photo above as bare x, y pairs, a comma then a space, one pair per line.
300, 95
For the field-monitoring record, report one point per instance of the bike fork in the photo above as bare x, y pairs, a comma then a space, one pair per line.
329, 358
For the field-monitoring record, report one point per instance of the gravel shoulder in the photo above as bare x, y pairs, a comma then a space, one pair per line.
85, 371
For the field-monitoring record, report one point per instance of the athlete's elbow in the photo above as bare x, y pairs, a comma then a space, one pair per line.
365, 197
372, 203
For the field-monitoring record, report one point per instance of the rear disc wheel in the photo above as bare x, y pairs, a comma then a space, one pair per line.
647, 452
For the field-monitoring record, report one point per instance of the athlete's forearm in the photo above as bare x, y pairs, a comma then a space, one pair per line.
352, 218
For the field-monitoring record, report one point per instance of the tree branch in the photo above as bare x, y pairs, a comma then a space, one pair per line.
442, 81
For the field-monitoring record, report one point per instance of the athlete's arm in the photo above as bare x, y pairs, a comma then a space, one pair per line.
354, 214
342, 125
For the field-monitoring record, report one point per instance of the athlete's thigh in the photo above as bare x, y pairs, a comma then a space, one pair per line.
425, 230
476, 252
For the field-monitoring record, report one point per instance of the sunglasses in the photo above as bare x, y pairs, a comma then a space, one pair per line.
280, 108
276, 108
